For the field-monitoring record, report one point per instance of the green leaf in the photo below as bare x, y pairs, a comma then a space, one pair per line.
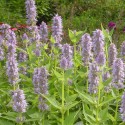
58, 75
104, 114
6, 122
71, 98
85, 96
111, 117
52, 39
70, 105
52, 101
71, 118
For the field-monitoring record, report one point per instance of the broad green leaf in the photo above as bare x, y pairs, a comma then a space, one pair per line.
71, 118
70, 105
85, 96
6, 122
71, 98
104, 114
58, 75
52, 101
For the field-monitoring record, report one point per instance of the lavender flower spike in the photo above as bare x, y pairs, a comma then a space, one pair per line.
41, 85
66, 58
122, 108
112, 54
98, 42
11, 64
86, 44
93, 77
19, 102
43, 31
57, 28
31, 12
123, 50
100, 59
118, 73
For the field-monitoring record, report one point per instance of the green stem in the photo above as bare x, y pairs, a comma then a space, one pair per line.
98, 102
87, 84
116, 111
63, 98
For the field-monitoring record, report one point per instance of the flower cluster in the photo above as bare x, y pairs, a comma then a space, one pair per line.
31, 12
66, 58
93, 77
118, 73
11, 64
19, 102
86, 45
112, 54
43, 31
40, 85
57, 28
98, 42
122, 108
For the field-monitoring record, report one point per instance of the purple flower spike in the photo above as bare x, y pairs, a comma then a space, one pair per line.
93, 78
112, 54
86, 44
112, 25
122, 108
43, 31
98, 42
66, 58
123, 49
100, 59
118, 74
31, 12
19, 102
57, 28
41, 85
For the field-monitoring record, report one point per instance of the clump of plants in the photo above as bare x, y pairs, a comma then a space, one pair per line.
45, 81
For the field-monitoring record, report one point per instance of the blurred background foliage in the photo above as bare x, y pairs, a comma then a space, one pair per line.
76, 14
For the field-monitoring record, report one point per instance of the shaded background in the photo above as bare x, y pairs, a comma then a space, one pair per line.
76, 14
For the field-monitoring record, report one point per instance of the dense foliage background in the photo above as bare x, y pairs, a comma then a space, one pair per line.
76, 14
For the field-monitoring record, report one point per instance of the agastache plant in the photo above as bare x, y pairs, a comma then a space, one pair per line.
57, 27
11, 64
35, 38
112, 54
43, 31
22, 57
66, 58
123, 50
19, 102
41, 86
118, 74
86, 44
101, 59
31, 12
98, 42
93, 78
122, 108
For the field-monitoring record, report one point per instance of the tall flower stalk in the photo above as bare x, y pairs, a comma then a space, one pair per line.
31, 12
86, 44
57, 27
11, 64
